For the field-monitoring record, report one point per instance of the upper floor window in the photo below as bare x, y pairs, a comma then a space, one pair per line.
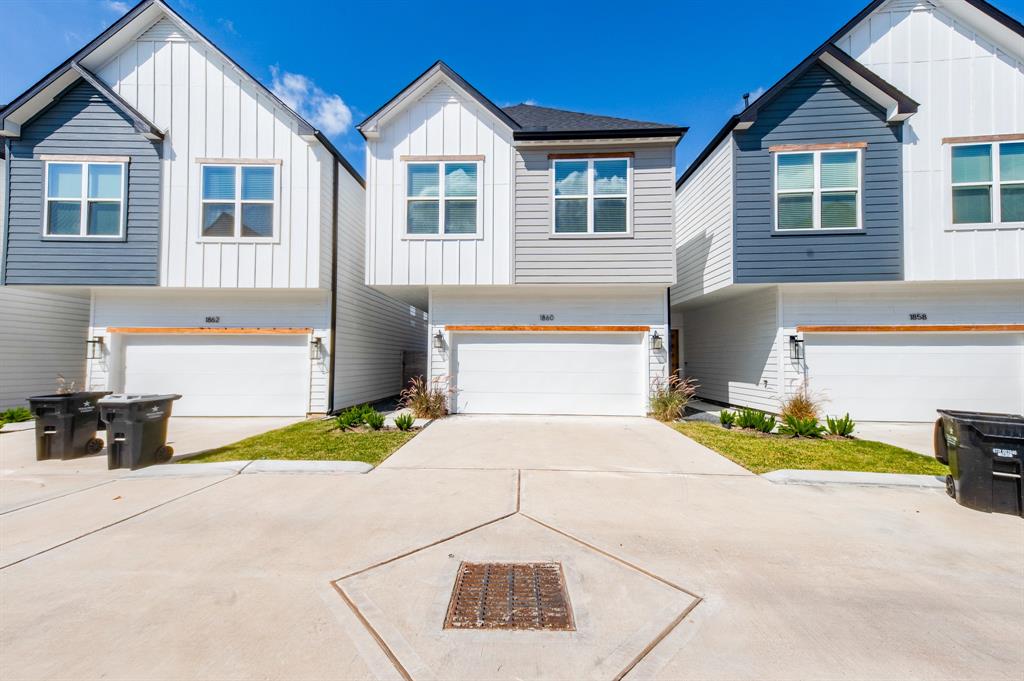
84, 199
442, 198
591, 196
818, 190
238, 201
988, 183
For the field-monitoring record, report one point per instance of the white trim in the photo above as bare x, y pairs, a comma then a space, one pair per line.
67, 158
817, 191
591, 196
243, 161
442, 199
995, 185
238, 202
83, 200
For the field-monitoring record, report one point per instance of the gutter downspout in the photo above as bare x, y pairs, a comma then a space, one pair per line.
334, 284
5, 222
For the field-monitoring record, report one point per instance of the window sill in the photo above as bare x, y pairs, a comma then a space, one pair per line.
805, 232
442, 237
68, 237
590, 235
253, 240
985, 226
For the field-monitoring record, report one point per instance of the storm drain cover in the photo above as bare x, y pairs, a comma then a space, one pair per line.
510, 596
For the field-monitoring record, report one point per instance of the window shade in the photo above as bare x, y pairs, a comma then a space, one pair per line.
65, 181
460, 179
972, 205
609, 215
839, 170
571, 179
796, 171
972, 163
64, 218
423, 180
258, 185
423, 217
257, 220
219, 220
796, 211
839, 209
219, 182
610, 177
104, 218
1011, 162
570, 216
460, 217
1012, 203
104, 182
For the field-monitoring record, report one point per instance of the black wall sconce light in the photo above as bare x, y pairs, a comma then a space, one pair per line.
796, 348
657, 342
438, 342
94, 347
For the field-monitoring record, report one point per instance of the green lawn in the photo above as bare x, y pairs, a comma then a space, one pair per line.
310, 440
761, 454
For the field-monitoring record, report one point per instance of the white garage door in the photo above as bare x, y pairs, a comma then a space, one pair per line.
906, 377
222, 375
553, 373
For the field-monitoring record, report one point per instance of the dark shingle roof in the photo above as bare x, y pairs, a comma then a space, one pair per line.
540, 122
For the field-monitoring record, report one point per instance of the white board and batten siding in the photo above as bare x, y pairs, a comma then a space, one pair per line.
570, 305
211, 110
42, 335
440, 123
704, 225
164, 308
373, 330
968, 85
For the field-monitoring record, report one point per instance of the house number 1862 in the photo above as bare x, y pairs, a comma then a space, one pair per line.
213, 319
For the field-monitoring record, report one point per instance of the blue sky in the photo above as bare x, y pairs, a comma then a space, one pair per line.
680, 62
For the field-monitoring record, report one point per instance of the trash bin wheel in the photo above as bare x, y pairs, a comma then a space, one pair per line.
165, 453
939, 446
950, 487
94, 446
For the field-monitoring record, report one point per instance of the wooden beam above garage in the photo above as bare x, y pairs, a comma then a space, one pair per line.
546, 329
204, 330
911, 328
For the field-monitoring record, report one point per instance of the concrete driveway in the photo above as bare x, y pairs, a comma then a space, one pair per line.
677, 569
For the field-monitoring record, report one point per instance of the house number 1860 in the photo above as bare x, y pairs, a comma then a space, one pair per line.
547, 317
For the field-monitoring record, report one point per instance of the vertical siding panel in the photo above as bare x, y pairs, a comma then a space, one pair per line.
282, 252
178, 168
299, 226
198, 125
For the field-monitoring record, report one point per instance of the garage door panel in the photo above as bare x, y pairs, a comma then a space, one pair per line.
222, 376
906, 377
549, 374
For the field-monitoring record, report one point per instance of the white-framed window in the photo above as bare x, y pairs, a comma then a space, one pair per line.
987, 183
591, 196
442, 198
84, 199
818, 189
239, 201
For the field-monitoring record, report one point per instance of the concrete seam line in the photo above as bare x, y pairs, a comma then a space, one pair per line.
373, 632
612, 556
571, 470
659, 638
116, 522
59, 496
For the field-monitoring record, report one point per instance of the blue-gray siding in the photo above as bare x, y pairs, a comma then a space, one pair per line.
82, 122
818, 108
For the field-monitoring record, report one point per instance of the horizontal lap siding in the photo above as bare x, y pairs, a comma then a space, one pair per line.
648, 256
42, 335
818, 108
704, 227
373, 330
82, 122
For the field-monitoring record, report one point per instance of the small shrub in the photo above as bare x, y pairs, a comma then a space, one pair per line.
843, 427
755, 419
669, 398
353, 417
802, 405
374, 420
404, 421
426, 401
727, 418
797, 427
15, 415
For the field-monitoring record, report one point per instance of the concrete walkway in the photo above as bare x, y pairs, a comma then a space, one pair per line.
677, 569
917, 437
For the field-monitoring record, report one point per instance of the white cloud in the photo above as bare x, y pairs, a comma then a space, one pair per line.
116, 6
228, 25
327, 112
531, 102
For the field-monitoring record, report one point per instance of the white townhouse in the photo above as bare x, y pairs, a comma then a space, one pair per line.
859, 228
540, 242
217, 235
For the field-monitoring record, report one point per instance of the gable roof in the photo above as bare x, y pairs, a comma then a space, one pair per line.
541, 122
145, 13
526, 121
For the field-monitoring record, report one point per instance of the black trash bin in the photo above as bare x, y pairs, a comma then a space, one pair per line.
137, 429
66, 424
986, 460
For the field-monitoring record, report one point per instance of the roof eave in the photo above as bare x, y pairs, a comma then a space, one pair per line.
622, 133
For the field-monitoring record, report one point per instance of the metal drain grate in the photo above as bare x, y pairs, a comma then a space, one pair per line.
510, 596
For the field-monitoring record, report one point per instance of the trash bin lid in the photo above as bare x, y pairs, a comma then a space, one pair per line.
125, 398
1002, 426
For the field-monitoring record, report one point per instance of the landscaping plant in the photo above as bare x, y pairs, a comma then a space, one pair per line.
15, 415
426, 401
802, 405
755, 420
404, 422
843, 427
353, 417
669, 398
727, 418
801, 427
374, 419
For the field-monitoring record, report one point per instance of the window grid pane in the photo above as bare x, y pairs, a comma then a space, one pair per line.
219, 183
610, 177
460, 179
423, 217
571, 178
839, 170
258, 183
65, 181
609, 215
104, 218
219, 220
460, 217
1011, 162
972, 163
795, 171
423, 180
257, 220
105, 182
796, 211
570, 216
972, 205
839, 210
1012, 203
65, 218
